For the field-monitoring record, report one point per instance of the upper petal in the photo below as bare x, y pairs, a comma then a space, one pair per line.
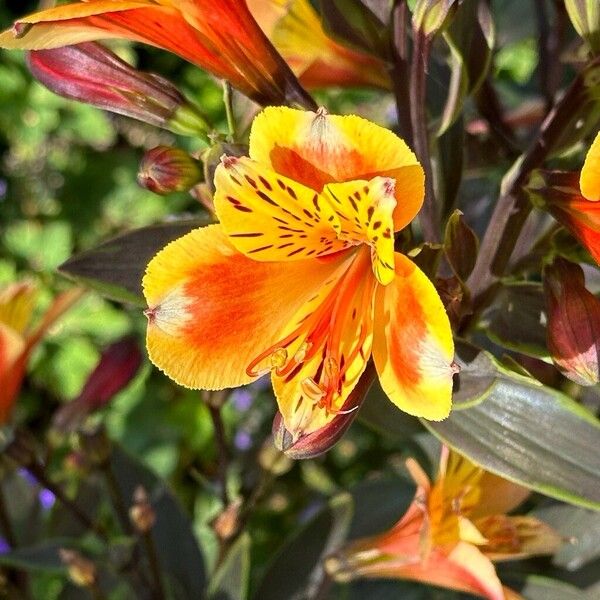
412, 345
318, 148
590, 174
271, 217
212, 310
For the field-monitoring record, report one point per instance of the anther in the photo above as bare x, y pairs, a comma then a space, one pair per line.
228, 161
301, 353
278, 358
312, 390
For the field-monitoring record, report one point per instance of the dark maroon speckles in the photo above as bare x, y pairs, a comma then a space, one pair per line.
266, 198
376, 225
242, 208
251, 181
265, 183
245, 235
291, 192
296, 251
260, 249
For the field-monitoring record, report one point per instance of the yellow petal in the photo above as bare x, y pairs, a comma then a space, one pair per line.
317, 148
412, 346
364, 211
332, 338
212, 310
590, 174
270, 217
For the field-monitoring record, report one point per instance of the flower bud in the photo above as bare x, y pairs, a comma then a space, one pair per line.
573, 327
227, 522
430, 16
585, 16
91, 73
82, 571
141, 514
117, 367
165, 170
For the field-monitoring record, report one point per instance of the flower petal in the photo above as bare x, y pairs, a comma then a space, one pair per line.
17, 302
329, 352
270, 217
412, 345
317, 148
212, 309
364, 211
12, 368
590, 173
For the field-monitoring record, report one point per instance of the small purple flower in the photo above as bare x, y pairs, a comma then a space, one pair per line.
242, 440
4, 546
28, 476
3, 188
242, 399
46, 498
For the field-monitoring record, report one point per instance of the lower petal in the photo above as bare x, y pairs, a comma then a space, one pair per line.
212, 310
590, 173
412, 345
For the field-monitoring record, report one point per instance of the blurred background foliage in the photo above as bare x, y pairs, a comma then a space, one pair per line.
68, 182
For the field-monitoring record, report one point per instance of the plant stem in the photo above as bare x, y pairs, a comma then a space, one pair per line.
222, 449
5, 524
430, 221
117, 499
152, 554
228, 101
400, 72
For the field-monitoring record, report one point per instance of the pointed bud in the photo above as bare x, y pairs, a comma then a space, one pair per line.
82, 571
91, 73
141, 514
117, 367
585, 16
573, 322
227, 523
165, 170
431, 16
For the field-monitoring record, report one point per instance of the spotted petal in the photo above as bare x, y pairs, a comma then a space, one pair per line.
317, 148
590, 174
270, 217
212, 310
412, 346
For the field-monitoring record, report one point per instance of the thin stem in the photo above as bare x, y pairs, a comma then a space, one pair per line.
5, 524
430, 220
222, 450
400, 71
117, 499
155, 569
228, 101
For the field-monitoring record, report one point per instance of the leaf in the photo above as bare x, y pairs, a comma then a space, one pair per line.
543, 588
460, 245
116, 267
297, 568
470, 38
477, 377
517, 319
355, 24
532, 435
232, 578
178, 552
41, 557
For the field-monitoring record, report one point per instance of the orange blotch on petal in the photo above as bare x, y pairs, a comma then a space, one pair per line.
412, 346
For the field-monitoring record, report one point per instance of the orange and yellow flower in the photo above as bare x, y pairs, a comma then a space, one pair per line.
296, 31
221, 37
573, 199
300, 278
451, 533
18, 338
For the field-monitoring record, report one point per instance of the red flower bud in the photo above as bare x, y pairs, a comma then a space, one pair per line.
573, 322
117, 366
165, 170
93, 74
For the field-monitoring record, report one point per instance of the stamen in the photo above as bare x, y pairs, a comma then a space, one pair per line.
228, 161
312, 390
301, 353
278, 358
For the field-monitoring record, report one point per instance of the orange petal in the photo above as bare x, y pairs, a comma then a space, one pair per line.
270, 217
329, 345
212, 310
317, 148
590, 174
412, 346
364, 211
498, 496
12, 368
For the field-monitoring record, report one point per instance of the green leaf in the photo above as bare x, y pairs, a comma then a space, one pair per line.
116, 267
297, 568
543, 588
530, 434
178, 552
232, 578
516, 320
460, 245
470, 38
477, 377
41, 557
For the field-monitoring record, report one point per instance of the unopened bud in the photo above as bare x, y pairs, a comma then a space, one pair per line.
95, 445
227, 523
573, 322
585, 16
165, 170
82, 571
91, 73
141, 514
431, 16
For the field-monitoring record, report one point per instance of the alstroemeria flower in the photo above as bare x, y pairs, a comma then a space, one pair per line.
296, 31
451, 533
221, 37
300, 277
18, 338
573, 199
